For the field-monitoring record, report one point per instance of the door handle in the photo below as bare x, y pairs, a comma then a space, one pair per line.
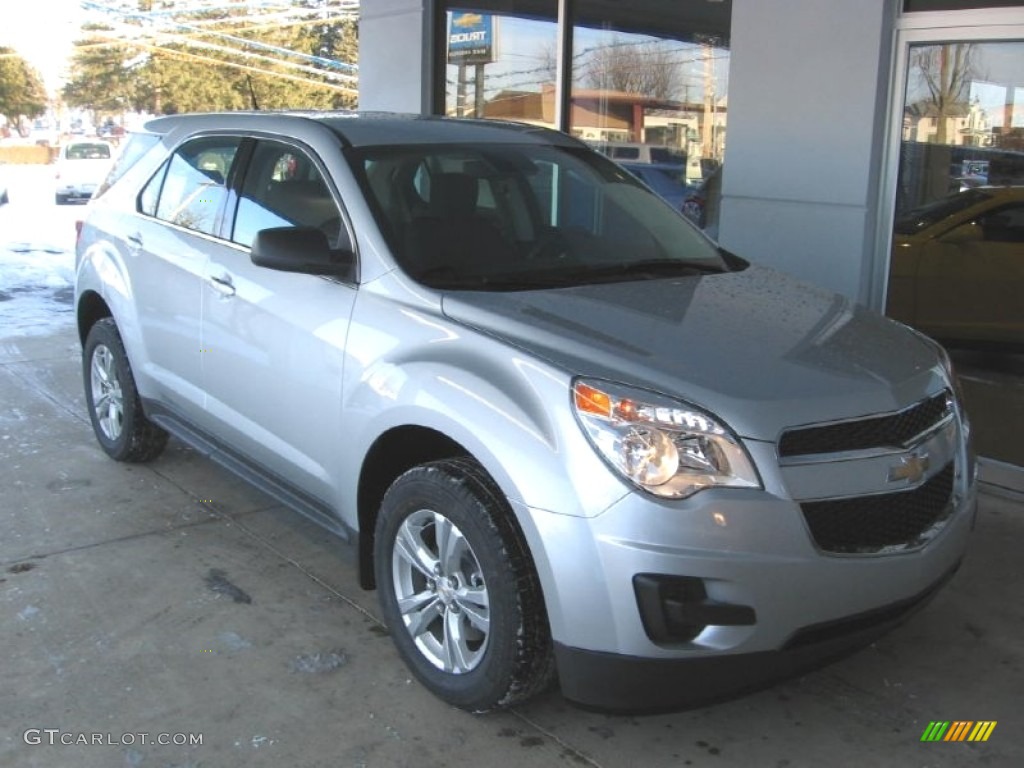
135, 242
223, 285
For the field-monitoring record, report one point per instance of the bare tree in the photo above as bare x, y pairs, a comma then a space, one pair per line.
947, 72
643, 68
547, 56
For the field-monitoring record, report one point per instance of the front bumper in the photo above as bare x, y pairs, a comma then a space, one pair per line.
787, 606
630, 684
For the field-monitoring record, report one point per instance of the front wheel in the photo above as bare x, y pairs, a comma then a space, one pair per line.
458, 589
115, 410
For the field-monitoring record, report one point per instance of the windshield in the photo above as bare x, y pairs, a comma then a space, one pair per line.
519, 217
88, 152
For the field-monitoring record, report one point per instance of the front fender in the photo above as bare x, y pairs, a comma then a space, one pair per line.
526, 438
411, 366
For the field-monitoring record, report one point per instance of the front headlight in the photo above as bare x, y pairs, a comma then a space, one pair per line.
666, 447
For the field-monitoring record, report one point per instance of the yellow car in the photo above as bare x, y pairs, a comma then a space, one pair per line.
957, 270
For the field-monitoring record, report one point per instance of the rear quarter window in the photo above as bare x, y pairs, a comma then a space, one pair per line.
133, 150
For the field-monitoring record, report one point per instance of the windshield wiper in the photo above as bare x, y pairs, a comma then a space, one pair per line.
446, 278
646, 269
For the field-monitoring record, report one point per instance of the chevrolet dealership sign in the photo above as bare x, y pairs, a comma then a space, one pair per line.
471, 38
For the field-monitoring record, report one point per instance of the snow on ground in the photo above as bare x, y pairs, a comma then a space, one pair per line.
37, 256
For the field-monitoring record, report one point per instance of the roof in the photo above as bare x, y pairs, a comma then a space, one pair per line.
369, 128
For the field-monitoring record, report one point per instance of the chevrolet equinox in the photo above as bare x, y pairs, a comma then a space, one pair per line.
568, 435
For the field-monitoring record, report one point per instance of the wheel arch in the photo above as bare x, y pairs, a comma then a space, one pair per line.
392, 453
91, 308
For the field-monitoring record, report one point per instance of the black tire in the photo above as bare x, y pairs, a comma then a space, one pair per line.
60, 199
512, 660
123, 431
4, 198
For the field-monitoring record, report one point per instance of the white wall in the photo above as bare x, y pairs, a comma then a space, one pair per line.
394, 61
808, 83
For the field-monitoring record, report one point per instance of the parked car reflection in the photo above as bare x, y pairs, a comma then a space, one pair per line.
957, 268
663, 179
702, 205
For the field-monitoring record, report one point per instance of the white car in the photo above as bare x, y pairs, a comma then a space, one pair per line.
81, 167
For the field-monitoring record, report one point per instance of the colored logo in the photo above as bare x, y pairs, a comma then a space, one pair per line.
467, 20
958, 730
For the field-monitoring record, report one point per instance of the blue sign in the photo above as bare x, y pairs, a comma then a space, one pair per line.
470, 38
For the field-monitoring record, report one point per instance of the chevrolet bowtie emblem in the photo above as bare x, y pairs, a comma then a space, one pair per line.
910, 468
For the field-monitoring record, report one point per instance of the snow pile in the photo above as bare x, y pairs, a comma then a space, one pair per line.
36, 289
37, 258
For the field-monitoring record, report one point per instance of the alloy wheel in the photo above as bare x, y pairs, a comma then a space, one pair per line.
107, 397
440, 592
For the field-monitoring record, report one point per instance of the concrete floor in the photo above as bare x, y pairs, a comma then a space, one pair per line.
172, 599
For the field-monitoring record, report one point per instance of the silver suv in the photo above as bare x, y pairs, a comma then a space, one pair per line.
566, 432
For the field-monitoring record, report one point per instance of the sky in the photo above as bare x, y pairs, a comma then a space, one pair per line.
42, 31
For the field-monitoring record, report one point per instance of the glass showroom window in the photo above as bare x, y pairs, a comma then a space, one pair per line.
648, 79
650, 82
501, 64
956, 269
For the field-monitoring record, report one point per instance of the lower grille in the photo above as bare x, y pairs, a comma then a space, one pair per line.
868, 524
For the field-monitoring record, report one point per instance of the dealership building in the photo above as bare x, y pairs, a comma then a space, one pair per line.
829, 134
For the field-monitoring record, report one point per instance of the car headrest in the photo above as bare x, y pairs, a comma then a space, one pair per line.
453, 195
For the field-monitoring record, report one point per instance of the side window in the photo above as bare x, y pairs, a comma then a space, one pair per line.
1005, 225
193, 188
284, 188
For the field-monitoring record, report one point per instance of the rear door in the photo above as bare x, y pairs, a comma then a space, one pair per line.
182, 207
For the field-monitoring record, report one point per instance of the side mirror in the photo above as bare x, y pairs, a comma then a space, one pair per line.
299, 249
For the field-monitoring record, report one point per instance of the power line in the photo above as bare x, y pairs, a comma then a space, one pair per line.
348, 9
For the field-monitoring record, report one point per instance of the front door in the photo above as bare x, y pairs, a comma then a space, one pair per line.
273, 342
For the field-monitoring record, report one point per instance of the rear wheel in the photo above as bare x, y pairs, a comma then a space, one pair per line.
458, 589
115, 410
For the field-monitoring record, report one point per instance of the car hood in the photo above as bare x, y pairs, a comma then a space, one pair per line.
761, 350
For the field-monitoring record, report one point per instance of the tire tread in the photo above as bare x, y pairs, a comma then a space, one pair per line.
145, 440
532, 667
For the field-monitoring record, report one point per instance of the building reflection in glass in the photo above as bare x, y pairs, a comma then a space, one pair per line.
957, 262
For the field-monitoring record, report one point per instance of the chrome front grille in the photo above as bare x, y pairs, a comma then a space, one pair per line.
868, 524
893, 430
879, 484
